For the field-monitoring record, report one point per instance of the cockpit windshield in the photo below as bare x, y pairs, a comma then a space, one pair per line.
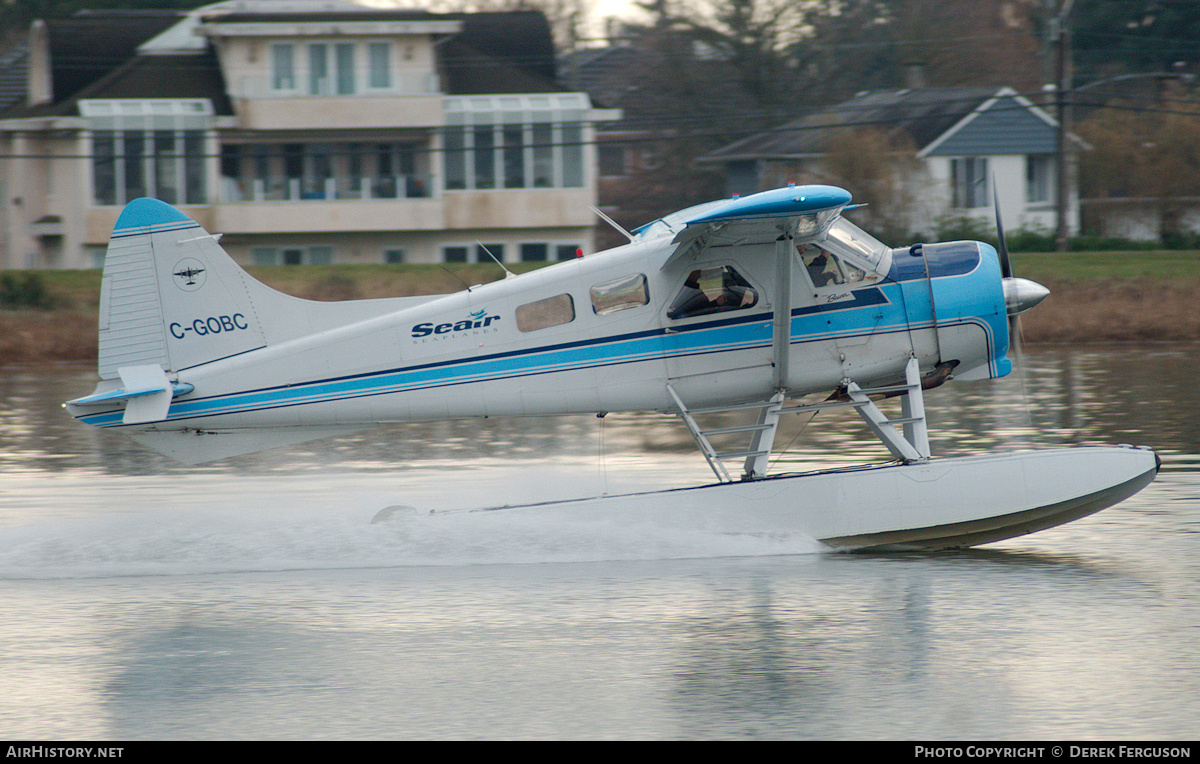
857, 247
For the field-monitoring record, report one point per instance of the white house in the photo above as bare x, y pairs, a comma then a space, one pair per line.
303, 131
956, 142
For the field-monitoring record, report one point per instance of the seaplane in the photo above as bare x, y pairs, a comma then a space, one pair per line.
747, 304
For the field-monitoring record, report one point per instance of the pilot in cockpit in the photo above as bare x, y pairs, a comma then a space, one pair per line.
821, 267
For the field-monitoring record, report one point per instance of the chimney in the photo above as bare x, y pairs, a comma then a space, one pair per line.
39, 84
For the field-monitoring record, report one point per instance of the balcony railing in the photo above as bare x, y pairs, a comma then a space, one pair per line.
234, 190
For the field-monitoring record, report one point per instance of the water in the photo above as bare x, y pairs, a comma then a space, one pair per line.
255, 598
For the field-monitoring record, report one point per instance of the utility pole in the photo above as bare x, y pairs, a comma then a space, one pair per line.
1060, 37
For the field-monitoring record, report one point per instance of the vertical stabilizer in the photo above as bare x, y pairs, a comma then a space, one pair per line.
170, 295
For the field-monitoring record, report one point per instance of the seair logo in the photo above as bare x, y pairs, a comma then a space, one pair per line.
189, 274
205, 327
479, 320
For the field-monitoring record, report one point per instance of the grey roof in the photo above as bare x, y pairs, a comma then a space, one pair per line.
84, 48
502, 52
94, 55
1008, 126
90, 44
13, 68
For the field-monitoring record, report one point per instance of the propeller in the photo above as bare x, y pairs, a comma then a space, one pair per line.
1019, 294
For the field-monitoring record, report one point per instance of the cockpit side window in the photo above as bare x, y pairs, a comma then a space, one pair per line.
712, 290
827, 269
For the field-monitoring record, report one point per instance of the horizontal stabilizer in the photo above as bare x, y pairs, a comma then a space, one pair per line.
198, 446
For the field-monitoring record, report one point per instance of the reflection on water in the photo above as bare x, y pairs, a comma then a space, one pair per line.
253, 597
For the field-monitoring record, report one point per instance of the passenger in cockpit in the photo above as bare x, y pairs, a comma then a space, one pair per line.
693, 300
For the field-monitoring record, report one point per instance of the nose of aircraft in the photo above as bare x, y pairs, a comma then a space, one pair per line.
1022, 294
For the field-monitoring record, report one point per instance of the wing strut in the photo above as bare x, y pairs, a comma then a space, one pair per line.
782, 334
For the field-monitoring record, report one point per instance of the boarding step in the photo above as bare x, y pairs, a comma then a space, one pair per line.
739, 428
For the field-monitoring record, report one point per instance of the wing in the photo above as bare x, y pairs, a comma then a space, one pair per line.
801, 212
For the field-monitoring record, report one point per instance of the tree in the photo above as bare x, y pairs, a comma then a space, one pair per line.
1119, 37
568, 19
1145, 151
876, 163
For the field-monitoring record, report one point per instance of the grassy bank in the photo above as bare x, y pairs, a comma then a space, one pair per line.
1095, 297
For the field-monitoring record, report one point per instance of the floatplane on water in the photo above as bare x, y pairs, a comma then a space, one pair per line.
740, 304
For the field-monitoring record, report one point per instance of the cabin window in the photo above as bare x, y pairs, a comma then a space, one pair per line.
543, 314
712, 290
620, 294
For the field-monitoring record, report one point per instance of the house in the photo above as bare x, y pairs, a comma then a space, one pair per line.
919, 158
302, 131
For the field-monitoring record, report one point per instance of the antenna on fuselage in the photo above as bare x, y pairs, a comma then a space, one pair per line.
507, 272
455, 275
612, 223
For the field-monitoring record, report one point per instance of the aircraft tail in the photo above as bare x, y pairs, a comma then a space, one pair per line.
171, 299
171, 296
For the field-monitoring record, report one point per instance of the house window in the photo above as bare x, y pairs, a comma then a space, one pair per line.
344, 56
485, 252
148, 148
292, 255
379, 65
514, 142
572, 156
331, 69
534, 252
514, 156
475, 253
318, 70
970, 178
455, 254
395, 256
543, 156
455, 159
485, 157
317, 171
283, 66
1039, 178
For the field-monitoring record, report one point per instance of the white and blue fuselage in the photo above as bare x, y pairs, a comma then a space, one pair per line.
591, 335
